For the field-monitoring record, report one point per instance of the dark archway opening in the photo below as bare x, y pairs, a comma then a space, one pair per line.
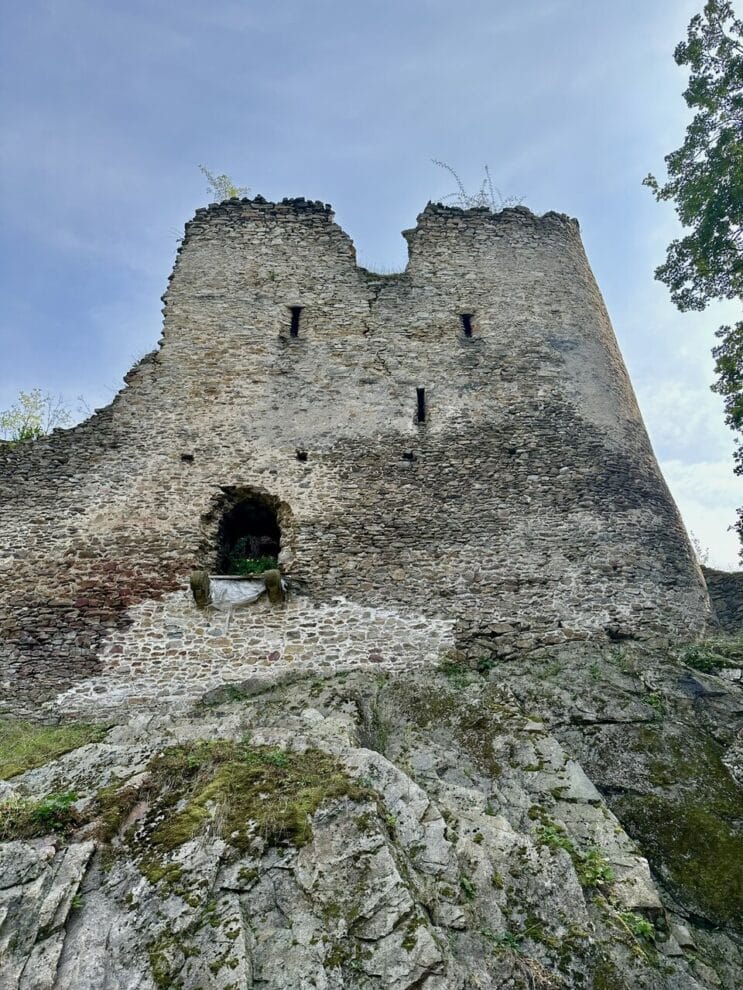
249, 538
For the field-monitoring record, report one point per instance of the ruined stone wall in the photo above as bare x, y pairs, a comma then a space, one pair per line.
527, 509
726, 593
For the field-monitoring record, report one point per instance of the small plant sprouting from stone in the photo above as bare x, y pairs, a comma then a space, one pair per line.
503, 940
534, 973
364, 822
637, 925
222, 187
456, 673
554, 836
488, 196
53, 811
594, 869
656, 702
486, 664
623, 660
701, 553
639, 932
468, 887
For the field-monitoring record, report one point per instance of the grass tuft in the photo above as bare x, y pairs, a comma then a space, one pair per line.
25, 818
25, 745
713, 655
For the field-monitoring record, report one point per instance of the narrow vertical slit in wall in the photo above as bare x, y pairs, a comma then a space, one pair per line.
421, 397
466, 319
295, 311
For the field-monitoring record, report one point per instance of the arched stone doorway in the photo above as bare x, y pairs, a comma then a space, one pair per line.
244, 523
249, 537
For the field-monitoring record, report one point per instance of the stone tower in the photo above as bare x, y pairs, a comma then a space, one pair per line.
453, 457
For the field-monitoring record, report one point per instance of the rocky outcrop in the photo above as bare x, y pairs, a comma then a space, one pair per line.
453, 829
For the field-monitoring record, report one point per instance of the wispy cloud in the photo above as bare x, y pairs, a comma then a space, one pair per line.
707, 494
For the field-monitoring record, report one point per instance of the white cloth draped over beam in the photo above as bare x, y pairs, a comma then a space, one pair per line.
227, 595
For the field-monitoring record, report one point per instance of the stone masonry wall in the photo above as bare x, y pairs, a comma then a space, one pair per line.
527, 509
726, 593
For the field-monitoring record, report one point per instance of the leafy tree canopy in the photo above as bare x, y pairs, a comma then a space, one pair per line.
34, 414
705, 183
705, 175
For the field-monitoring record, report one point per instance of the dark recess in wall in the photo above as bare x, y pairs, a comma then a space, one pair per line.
249, 530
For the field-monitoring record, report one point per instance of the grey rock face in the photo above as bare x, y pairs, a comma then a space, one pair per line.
39, 884
469, 850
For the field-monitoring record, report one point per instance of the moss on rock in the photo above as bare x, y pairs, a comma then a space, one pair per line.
687, 821
239, 790
699, 853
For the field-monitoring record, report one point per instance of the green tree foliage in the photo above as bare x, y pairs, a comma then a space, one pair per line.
33, 415
221, 186
728, 357
705, 184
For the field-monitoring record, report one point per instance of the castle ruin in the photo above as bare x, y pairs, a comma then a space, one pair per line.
448, 458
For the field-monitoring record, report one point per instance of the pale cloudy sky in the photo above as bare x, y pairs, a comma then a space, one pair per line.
108, 107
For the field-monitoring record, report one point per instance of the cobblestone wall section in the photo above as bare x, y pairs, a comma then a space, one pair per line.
172, 653
527, 509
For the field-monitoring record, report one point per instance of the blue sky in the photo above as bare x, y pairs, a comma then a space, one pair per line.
107, 109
